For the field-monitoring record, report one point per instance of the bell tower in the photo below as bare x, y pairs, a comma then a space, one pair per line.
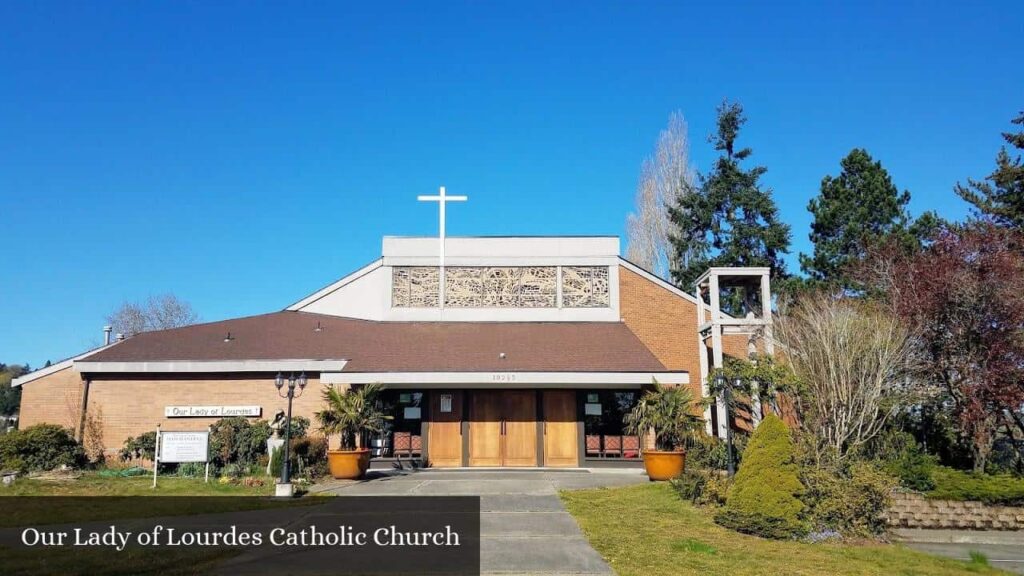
747, 295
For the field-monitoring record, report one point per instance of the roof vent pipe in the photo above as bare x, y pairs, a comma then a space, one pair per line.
106, 334
120, 336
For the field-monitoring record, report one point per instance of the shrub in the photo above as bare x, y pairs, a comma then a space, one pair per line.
851, 500
716, 490
901, 456
764, 499
308, 457
192, 469
690, 484
712, 453
40, 447
702, 487
234, 471
277, 462
236, 440
1001, 489
136, 447
299, 427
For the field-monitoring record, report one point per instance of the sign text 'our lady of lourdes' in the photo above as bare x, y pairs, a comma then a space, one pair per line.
211, 411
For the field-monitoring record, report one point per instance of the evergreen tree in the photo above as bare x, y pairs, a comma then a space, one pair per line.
730, 220
1000, 195
765, 498
856, 208
10, 397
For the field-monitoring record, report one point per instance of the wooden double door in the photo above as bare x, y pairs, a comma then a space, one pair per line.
505, 426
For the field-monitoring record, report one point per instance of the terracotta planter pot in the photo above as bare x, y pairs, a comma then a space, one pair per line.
348, 464
664, 465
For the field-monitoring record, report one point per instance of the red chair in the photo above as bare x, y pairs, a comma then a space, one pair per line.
408, 445
613, 446
631, 447
594, 446
402, 444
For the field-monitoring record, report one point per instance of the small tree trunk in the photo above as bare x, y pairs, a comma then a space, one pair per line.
980, 455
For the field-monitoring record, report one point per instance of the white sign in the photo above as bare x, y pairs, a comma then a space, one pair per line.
446, 402
211, 411
592, 409
184, 446
412, 413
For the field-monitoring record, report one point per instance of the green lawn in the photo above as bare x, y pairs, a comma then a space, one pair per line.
92, 484
647, 529
105, 505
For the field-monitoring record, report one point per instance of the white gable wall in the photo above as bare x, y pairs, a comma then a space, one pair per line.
366, 296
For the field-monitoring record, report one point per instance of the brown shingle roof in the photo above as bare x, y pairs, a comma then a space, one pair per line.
371, 346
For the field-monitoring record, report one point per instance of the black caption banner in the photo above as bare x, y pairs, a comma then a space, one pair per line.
240, 535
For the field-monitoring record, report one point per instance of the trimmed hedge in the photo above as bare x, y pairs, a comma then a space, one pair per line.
40, 447
765, 498
1000, 489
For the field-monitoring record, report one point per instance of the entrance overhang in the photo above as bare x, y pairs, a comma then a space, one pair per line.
504, 380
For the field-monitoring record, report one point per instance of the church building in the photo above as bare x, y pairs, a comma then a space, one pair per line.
516, 351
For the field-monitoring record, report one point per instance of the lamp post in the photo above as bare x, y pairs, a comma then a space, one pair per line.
289, 393
726, 389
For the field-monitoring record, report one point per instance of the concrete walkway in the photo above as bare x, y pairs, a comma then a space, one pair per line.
1004, 549
524, 527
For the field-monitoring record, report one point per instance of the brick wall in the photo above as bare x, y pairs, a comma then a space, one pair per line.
53, 399
910, 510
131, 406
665, 322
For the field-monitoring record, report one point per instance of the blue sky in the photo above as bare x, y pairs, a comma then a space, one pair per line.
242, 157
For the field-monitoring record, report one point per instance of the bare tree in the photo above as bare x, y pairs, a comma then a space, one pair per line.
156, 313
663, 177
854, 363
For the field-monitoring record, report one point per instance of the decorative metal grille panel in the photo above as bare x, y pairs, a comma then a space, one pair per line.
415, 287
500, 287
585, 287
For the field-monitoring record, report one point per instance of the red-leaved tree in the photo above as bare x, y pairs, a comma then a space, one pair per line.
964, 295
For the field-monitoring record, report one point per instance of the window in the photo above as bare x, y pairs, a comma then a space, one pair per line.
603, 415
401, 437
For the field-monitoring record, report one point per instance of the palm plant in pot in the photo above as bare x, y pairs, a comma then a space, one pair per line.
670, 413
352, 414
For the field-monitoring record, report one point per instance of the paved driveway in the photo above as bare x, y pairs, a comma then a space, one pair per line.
1004, 550
524, 527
